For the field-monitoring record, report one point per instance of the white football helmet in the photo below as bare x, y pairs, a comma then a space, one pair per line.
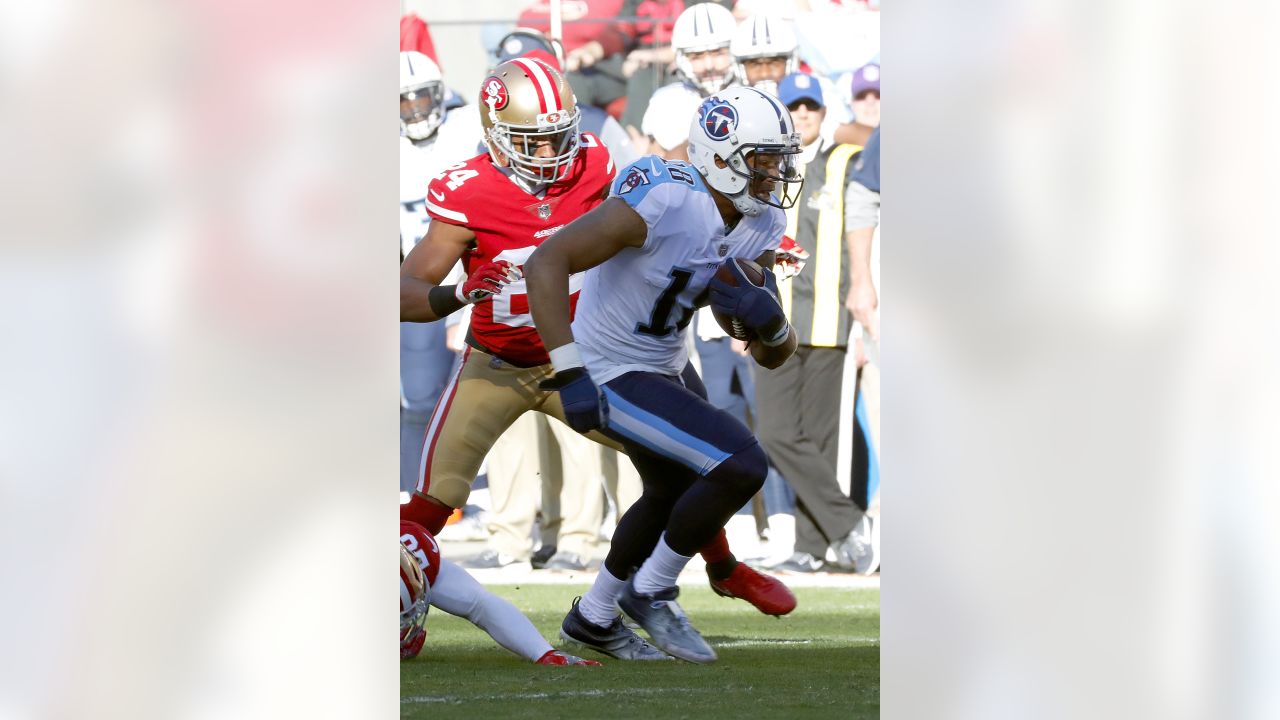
524, 103
752, 133
421, 95
703, 27
763, 36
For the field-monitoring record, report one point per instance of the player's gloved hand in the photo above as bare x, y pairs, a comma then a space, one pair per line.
585, 407
555, 657
790, 258
757, 307
486, 281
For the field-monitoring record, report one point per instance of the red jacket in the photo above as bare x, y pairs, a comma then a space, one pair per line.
414, 35
613, 36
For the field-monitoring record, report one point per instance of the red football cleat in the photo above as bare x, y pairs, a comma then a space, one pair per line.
768, 594
555, 657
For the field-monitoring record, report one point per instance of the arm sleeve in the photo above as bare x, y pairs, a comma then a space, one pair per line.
861, 207
867, 167
457, 593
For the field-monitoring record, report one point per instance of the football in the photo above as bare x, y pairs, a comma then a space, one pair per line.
755, 274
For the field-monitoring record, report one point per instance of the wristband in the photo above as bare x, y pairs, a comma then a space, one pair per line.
444, 300
779, 338
566, 357
457, 293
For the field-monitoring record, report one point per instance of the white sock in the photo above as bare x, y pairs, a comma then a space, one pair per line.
600, 605
662, 568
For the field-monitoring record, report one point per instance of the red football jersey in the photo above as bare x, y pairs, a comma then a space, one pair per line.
509, 224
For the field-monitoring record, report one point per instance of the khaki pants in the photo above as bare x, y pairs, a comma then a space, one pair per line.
484, 399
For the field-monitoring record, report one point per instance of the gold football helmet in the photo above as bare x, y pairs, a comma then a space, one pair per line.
530, 119
413, 604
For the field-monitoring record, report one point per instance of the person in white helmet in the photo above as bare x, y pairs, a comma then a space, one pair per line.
701, 39
765, 50
431, 139
651, 253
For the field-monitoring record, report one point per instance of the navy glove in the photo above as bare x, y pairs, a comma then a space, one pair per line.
757, 307
585, 407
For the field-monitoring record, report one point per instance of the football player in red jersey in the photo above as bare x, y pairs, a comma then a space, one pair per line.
426, 579
493, 211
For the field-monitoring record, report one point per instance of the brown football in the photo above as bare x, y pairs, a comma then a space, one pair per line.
755, 274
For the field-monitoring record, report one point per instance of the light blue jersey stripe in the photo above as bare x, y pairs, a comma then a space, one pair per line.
660, 436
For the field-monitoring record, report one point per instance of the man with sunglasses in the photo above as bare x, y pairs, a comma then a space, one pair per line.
800, 402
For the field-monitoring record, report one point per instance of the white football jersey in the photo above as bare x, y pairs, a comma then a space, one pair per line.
456, 140
635, 307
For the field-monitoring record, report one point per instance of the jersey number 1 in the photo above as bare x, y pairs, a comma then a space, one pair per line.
657, 324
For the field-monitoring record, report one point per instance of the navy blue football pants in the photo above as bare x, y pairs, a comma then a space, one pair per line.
699, 464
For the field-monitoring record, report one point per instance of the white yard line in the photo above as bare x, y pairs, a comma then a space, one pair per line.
458, 699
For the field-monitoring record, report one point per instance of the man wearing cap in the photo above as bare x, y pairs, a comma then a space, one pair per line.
865, 92
800, 401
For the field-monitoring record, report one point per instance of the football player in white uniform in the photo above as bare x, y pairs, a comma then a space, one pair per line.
765, 50
651, 251
430, 140
701, 38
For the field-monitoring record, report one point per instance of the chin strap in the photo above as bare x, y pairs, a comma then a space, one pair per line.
746, 204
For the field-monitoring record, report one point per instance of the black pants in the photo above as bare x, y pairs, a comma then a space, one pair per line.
799, 426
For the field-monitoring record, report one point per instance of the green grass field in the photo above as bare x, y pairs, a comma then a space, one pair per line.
822, 661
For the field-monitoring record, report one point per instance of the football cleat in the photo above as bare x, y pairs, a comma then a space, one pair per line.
769, 595
801, 562
540, 558
616, 641
555, 657
860, 549
568, 562
665, 621
489, 559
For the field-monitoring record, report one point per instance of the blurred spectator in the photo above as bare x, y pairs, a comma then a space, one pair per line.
595, 46
650, 65
526, 42
866, 95
666, 124
431, 139
416, 36
865, 91
800, 401
863, 302
701, 39
764, 52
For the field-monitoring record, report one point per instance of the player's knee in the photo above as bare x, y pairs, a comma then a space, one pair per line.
744, 472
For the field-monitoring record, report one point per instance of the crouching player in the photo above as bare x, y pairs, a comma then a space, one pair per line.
426, 579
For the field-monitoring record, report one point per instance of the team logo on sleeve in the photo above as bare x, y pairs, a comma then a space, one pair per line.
634, 179
495, 93
719, 118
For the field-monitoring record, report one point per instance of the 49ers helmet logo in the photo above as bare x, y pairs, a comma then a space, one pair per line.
495, 93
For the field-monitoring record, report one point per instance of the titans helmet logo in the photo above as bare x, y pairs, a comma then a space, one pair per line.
719, 118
